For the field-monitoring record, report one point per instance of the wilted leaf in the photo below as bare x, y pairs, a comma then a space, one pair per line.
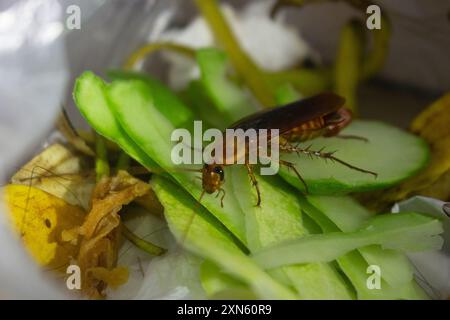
40, 218
89, 137
150, 202
439, 189
433, 123
60, 172
101, 232
68, 131
114, 278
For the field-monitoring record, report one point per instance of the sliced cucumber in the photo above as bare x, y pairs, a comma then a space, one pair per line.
139, 114
229, 100
407, 232
279, 219
90, 97
390, 152
354, 264
215, 281
347, 215
207, 238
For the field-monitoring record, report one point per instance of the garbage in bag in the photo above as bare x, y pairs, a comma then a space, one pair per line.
82, 198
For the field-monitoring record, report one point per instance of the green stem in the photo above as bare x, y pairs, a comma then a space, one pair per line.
142, 244
244, 65
101, 158
150, 48
123, 162
307, 82
376, 58
348, 63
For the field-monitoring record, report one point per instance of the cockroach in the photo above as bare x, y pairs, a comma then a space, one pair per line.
302, 120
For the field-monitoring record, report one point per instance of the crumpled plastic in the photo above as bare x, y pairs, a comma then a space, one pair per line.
33, 77
175, 275
432, 269
39, 57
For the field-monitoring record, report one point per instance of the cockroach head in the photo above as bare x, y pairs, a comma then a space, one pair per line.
212, 177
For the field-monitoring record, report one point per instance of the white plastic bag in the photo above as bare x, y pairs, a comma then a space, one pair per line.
39, 58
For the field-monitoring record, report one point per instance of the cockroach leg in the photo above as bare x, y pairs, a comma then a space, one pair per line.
254, 182
351, 136
223, 195
290, 166
324, 155
283, 141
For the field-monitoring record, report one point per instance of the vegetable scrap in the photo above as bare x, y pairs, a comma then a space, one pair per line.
100, 233
61, 172
39, 219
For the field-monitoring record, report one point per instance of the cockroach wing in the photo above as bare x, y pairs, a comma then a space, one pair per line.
292, 115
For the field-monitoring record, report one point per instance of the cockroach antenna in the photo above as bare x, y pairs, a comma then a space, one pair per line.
191, 219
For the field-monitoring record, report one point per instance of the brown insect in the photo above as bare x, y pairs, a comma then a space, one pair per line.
320, 115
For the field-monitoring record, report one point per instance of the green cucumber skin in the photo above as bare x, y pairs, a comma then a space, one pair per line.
331, 185
228, 99
397, 275
208, 239
151, 129
106, 124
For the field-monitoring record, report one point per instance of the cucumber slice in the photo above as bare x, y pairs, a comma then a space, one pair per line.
407, 232
208, 239
354, 264
141, 115
215, 281
90, 97
229, 100
347, 215
279, 219
390, 152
